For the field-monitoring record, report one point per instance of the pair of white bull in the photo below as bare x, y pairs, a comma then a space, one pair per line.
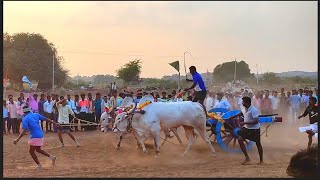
161, 116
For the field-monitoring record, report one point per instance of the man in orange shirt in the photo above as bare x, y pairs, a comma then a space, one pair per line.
84, 108
91, 114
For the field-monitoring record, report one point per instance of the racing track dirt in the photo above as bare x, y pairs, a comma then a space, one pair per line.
97, 157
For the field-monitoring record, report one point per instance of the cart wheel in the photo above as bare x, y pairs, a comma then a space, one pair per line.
228, 138
210, 128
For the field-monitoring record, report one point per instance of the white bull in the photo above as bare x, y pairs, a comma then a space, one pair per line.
105, 121
162, 116
121, 124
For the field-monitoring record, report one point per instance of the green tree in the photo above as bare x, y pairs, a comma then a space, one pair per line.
103, 79
131, 71
302, 80
225, 72
31, 55
270, 78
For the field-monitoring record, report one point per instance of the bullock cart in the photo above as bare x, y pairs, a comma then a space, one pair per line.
225, 126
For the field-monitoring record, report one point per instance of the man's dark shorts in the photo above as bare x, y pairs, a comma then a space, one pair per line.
251, 134
199, 95
64, 128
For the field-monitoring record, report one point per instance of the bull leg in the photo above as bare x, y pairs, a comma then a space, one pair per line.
122, 136
167, 134
189, 134
135, 136
142, 140
195, 136
174, 130
165, 139
204, 136
156, 136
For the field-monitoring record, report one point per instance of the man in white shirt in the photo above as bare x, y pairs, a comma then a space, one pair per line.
10, 96
274, 101
222, 103
48, 111
13, 116
70, 103
104, 104
63, 119
250, 129
114, 87
209, 102
295, 102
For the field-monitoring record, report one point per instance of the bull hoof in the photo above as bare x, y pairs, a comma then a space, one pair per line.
156, 156
145, 151
214, 154
118, 147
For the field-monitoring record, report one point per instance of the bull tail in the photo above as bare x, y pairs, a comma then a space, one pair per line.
204, 109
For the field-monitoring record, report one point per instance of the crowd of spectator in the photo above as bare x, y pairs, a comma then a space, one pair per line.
89, 108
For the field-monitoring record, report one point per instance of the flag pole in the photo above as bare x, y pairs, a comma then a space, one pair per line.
179, 82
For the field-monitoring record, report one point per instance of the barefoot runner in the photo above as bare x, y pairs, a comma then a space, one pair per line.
31, 122
64, 111
312, 110
250, 129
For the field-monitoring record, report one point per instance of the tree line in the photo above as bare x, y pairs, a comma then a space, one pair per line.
31, 55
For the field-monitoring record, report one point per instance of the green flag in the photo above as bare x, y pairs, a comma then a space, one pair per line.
175, 65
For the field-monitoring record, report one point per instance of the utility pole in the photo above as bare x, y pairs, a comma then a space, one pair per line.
53, 68
207, 77
235, 69
179, 81
257, 75
78, 79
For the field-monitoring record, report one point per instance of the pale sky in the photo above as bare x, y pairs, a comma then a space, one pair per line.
99, 37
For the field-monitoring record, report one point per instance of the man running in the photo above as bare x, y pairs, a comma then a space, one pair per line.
250, 129
64, 111
198, 84
312, 110
31, 122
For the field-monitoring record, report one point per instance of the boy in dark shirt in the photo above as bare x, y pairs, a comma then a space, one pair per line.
312, 110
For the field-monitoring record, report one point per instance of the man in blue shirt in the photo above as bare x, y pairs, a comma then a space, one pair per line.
31, 122
199, 87
5, 116
97, 107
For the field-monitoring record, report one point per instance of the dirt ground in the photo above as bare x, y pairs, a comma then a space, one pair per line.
97, 157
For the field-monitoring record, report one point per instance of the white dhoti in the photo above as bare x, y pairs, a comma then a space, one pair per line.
312, 127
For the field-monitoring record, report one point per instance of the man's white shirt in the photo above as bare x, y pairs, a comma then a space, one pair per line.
64, 112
